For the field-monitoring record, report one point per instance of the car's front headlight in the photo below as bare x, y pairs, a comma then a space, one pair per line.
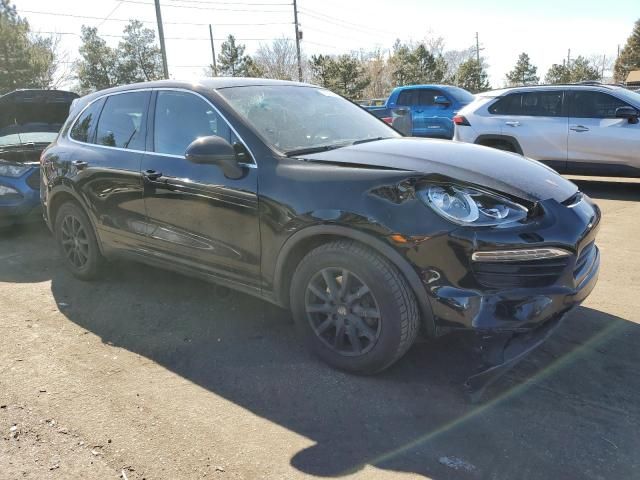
13, 170
472, 207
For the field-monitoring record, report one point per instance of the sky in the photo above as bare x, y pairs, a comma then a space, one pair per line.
545, 29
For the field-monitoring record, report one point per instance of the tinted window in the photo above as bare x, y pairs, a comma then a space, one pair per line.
534, 104
84, 127
122, 120
407, 98
594, 105
182, 117
426, 97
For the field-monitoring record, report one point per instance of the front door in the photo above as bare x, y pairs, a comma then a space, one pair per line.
197, 216
597, 139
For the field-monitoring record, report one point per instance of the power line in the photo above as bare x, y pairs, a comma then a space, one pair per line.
334, 20
169, 38
89, 17
110, 13
193, 7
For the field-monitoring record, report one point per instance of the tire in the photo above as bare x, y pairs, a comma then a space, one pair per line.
77, 242
367, 324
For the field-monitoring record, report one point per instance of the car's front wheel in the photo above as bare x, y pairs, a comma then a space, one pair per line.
354, 307
77, 242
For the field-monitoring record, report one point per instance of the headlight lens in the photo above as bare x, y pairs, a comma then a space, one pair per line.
469, 206
12, 169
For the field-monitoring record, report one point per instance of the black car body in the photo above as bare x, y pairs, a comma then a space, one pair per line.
29, 121
255, 219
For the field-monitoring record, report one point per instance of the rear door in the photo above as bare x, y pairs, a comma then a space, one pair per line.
596, 137
197, 216
538, 121
110, 140
410, 98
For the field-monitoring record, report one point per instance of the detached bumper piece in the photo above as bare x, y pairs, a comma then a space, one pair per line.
502, 351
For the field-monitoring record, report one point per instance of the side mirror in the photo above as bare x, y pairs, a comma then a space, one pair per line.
630, 113
215, 150
441, 100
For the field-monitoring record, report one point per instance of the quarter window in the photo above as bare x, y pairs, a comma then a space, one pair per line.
595, 105
531, 104
122, 120
181, 118
85, 125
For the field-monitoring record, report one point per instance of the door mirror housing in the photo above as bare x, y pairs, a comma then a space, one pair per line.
215, 150
441, 100
630, 113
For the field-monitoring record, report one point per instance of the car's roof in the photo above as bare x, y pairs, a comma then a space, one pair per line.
214, 83
425, 85
557, 86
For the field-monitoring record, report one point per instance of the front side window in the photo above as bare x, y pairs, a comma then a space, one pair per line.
531, 104
181, 118
122, 120
586, 104
292, 118
84, 127
427, 97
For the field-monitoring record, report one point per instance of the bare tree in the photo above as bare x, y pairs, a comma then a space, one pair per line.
278, 60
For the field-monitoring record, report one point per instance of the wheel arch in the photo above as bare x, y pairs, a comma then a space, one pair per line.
488, 138
305, 240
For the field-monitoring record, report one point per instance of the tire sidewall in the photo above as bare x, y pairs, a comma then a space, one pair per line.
386, 347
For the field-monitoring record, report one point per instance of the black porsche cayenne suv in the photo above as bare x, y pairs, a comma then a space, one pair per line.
289, 192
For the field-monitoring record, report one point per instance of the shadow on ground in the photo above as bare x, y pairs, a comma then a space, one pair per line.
570, 410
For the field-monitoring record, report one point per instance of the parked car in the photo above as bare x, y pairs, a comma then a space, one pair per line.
588, 129
29, 121
291, 193
432, 108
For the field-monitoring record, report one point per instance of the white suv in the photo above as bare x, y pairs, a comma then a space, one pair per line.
589, 129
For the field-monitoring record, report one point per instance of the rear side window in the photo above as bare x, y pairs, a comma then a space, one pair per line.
182, 117
532, 104
84, 128
594, 105
407, 98
121, 123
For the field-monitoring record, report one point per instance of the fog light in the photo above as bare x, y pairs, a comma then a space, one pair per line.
519, 255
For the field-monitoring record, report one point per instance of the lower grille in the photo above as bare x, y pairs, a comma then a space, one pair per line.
536, 273
33, 180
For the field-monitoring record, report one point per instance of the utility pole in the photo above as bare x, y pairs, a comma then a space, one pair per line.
569, 58
477, 49
213, 53
298, 36
165, 68
604, 59
478, 79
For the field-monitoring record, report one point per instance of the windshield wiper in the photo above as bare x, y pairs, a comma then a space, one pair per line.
319, 148
367, 140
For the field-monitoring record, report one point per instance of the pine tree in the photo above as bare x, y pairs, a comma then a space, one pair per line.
629, 58
524, 72
232, 62
473, 77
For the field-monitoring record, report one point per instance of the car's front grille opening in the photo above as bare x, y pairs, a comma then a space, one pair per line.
535, 273
33, 180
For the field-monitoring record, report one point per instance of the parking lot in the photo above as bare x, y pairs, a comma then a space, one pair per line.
147, 374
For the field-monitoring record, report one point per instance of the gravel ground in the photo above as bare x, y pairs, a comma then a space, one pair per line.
150, 375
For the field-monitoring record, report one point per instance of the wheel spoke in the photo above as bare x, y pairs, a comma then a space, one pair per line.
361, 292
332, 285
366, 312
330, 320
338, 341
344, 283
319, 293
319, 308
356, 345
363, 329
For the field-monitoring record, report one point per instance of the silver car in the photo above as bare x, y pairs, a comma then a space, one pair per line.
589, 129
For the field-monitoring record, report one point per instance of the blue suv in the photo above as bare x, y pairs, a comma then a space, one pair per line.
29, 121
432, 108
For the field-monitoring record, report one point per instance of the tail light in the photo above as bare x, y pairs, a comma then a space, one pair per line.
461, 120
388, 120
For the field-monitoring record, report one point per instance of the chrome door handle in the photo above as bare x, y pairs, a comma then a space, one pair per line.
512, 124
578, 128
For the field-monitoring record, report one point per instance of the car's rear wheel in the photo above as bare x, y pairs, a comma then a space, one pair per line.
77, 242
354, 307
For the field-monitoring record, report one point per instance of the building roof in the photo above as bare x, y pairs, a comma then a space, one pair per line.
634, 76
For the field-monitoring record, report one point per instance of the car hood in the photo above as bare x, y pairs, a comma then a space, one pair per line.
483, 166
32, 116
